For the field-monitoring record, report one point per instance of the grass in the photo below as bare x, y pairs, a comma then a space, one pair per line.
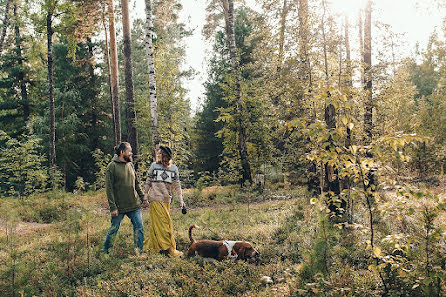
50, 246
46, 250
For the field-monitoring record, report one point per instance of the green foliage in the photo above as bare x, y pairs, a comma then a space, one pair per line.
22, 167
101, 161
424, 75
15, 103
174, 119
65, 258
209, 148
398, 262
413, 261
297, 243
80, 185
51, 210
429, 110
254, 107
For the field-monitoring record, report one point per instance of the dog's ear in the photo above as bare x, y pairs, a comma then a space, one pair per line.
240, 250
242, 255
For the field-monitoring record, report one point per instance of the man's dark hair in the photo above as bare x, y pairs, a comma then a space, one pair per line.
121, 147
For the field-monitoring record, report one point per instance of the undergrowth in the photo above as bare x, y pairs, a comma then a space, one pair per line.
50, 246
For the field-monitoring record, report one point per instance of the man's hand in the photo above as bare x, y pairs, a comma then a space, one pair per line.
145, 203
114, 213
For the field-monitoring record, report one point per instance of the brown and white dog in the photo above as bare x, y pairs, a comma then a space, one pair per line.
219, 250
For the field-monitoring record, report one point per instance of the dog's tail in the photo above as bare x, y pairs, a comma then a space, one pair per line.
190, 233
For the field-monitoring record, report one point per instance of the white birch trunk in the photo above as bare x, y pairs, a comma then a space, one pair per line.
243, 150
5, 26
152, 77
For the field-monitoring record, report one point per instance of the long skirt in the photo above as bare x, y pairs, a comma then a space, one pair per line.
160, 230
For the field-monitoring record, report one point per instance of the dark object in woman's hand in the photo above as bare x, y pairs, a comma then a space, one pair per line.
183, 209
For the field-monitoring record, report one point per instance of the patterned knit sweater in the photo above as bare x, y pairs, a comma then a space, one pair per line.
161, 181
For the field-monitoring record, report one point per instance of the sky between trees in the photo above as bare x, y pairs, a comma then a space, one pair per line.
416, 19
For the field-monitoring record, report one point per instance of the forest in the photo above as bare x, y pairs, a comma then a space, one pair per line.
320, 138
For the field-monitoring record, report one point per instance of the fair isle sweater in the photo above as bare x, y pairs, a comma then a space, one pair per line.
160, 182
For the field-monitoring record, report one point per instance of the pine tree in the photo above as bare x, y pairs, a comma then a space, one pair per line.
132, 134
116, 110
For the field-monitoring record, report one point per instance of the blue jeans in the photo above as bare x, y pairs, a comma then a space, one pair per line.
138, 230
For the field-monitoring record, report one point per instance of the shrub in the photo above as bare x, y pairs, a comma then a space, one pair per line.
21, 165
101, 161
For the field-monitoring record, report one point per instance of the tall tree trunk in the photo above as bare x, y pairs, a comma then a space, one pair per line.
49, 30
361, 44
332, 182
349, 81
346, 183
331, 179
152, 77
313, 182
349, 71
368, 114
132, 134
93, 96
368, 121
107, 57
243, 150
114, 74
225, 5
5, 25
282, 31
21, 75
303, 42
327, 76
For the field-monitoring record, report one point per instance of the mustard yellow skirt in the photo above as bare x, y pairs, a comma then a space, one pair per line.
160, 230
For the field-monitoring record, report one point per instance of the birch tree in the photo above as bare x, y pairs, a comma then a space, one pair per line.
228, 6
21, 75
349, 80
152, 77
5, 25
282, 31
368, 121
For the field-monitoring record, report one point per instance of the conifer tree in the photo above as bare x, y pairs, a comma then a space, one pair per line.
132, 134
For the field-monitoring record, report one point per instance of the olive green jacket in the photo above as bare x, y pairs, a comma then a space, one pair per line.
122, 185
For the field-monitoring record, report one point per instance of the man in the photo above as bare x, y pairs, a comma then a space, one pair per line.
124, 196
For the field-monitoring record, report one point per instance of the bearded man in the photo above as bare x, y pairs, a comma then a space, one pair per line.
125, 196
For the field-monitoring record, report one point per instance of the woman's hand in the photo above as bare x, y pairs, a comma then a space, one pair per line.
145, 202
181, 204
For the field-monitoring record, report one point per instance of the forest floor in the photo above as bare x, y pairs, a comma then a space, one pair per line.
50, 246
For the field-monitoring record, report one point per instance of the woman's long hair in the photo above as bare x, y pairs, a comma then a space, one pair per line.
166, 161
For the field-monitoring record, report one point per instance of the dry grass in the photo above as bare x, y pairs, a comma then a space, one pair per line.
55, 259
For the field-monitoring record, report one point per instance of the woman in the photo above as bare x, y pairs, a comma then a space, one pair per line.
163, 178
